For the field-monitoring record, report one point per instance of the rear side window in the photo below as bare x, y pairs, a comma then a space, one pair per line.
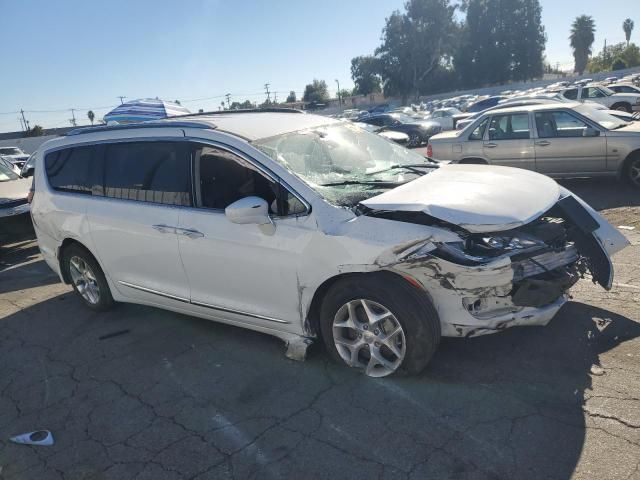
157, 172
571, 94
74, 170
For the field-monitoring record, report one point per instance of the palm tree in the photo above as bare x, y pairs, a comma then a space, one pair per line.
582, 36
91, 116
627, 26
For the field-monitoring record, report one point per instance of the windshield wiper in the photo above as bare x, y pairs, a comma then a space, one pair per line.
411, 167
377, 183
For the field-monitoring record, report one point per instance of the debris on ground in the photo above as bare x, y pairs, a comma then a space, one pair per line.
42, 438
114, 334
597, 370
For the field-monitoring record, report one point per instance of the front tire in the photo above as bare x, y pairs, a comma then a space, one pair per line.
87, 278
623, 107
379, 323
414, 140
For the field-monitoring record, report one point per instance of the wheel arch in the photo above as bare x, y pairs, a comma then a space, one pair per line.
66, 243
312, 319
622, 104
473, 161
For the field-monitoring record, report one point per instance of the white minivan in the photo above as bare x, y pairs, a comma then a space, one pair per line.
305, 227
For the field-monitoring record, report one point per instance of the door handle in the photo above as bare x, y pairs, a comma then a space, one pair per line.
490, 145
543, 143
164, 228
191, 233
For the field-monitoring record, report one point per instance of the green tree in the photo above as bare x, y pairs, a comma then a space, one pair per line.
291, 97
415, 44
317, 92
365, 74
582, 37
91, 116
35, 131
627, 26
501, 40
241, 105
603, 61
618, 64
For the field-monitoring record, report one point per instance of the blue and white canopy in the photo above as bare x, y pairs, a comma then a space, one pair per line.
144, 109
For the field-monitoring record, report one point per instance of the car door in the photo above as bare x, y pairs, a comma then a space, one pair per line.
246, 273
562, 147
146, 183
508, 141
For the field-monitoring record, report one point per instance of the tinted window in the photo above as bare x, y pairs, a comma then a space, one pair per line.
74, 170
591, 92
225, 178
559, 125
478, 132
509, 127
157, 172
571, 94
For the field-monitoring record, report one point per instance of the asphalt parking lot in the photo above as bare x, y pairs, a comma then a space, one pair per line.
147, 394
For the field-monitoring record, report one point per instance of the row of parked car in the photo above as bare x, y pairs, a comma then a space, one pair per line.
14, 181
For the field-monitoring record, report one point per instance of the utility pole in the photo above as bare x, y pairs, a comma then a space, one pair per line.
266, 87
73, 117
275, 97
339, 99
121, 99
228, 95
21, 124
24, 120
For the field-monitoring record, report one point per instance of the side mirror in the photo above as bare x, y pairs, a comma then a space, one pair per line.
591, 132
27, 173
249, 210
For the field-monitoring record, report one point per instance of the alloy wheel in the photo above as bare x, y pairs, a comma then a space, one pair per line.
84, 280
367, 335
414, 140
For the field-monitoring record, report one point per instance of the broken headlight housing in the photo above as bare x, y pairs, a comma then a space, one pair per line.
478, 249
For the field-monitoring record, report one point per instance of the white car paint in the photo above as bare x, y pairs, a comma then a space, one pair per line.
265, 277
13, 193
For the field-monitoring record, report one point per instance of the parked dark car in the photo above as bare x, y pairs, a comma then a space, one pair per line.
481, 105
419, 132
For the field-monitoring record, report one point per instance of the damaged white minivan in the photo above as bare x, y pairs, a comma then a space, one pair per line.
304, 227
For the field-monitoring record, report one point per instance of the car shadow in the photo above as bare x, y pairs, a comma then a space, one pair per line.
508, 405
603, 193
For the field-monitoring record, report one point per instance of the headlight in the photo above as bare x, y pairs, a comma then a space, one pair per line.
483, 249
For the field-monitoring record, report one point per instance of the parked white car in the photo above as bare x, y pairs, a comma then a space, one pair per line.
305, 227
15, 155
628, 102
444, 117
13, 192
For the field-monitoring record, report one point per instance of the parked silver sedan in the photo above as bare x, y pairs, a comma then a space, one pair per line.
559, 140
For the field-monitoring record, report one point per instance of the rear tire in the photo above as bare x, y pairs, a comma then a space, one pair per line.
414, 140
380, 323
87, 278
632, 171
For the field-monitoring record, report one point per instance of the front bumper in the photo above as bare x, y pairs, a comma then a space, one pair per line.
11, 209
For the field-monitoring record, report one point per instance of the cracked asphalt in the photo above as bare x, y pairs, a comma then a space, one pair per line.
176, 397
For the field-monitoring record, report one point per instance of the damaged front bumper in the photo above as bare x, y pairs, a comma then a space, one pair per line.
517, 289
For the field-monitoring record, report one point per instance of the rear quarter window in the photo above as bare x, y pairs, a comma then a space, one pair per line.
74, 170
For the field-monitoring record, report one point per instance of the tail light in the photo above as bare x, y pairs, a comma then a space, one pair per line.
429, 150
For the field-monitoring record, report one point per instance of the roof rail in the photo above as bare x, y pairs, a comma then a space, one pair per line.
133, 126
243, 110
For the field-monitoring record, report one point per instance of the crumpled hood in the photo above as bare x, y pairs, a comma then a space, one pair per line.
14, 189
478, 198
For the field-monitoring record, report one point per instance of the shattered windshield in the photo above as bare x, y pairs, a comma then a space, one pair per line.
344, 163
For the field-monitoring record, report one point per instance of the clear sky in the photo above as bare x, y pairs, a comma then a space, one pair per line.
82, 54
